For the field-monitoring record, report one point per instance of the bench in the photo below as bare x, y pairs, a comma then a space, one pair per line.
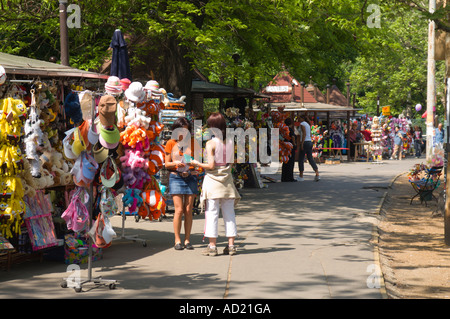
426, 185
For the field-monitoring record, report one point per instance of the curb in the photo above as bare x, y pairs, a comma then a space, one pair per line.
376, 240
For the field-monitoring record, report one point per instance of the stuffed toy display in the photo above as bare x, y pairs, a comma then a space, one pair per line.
143, 154
285, 146
377, 147
12, 165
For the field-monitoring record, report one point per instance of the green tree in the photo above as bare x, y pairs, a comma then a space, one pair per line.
167, 38
396, 67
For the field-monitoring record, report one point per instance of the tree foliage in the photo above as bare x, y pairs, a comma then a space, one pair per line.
322, 39
396, 68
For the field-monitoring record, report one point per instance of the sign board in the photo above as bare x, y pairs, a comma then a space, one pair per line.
278, 89
386, 110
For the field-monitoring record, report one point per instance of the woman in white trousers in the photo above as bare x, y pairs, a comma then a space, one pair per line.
218, 190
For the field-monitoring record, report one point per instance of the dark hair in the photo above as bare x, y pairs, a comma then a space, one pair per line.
288, 121
304, 117
181, 122
217, 120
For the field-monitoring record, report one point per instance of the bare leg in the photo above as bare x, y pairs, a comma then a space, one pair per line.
177, 217
188, 206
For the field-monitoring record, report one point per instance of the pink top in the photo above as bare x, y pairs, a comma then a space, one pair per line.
220, 155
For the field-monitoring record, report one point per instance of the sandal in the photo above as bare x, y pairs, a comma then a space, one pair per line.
188, 246
178, 246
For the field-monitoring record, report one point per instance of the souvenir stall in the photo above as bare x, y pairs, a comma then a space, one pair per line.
387, 125
37, 176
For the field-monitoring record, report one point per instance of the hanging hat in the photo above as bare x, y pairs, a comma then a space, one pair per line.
135, 92
125, 83
78, 144
100, 153
109, 138
113, 85
153, 86
67, 144
111, 180
85, 98
89, 167
93, 132
107, 107
72, 107
2, 75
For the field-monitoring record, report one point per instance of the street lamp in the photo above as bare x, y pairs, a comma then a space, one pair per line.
63, 32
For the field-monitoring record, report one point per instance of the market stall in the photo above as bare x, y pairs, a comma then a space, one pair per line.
36, 173
74, 152
329, 113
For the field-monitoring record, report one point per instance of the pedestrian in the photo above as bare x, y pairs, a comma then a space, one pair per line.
439, 135
306, 147
398, 144
182, 180
418, 141
352, 134
218, 190
287, 169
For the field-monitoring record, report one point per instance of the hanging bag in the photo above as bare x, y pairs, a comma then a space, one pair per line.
76, 215
108, 205
99, 240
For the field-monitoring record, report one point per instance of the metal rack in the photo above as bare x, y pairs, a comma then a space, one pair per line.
78, 283
133, 237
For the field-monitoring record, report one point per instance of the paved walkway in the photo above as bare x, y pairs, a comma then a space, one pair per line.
296, 240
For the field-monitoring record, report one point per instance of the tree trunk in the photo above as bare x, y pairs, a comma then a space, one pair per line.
174, 71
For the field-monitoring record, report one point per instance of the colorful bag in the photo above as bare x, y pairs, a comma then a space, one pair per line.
108, 205
99, 240
76, 215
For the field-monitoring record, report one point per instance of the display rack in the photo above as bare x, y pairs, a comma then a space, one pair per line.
80, 282
377, 148
129, 237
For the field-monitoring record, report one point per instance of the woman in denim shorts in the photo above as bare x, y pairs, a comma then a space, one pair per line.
183, 180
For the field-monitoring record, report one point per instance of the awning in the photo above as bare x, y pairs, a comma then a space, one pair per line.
313, 107
214, 90
19, 65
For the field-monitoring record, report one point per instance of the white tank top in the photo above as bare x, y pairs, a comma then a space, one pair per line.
307, 131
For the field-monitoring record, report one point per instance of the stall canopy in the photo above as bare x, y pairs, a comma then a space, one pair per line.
285, 90
214, 90
18, 65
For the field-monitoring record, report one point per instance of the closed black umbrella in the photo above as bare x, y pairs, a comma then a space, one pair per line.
120, 64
